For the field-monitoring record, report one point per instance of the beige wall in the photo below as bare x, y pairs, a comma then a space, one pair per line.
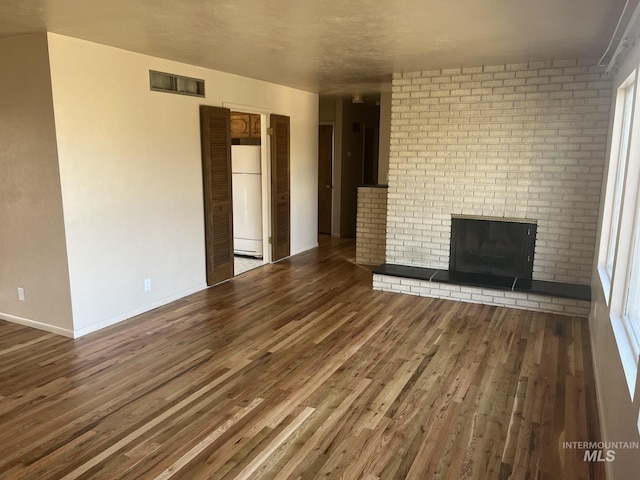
32, 239
131, 175
327, 109
618, 413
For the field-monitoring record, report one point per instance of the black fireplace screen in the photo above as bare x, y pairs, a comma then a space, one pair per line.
492, 247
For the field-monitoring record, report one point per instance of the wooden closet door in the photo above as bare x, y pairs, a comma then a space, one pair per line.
215, 133
280, 187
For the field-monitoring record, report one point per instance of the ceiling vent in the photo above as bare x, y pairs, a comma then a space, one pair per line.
170, 83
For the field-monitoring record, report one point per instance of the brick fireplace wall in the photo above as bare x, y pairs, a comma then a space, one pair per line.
518, 140
371, 225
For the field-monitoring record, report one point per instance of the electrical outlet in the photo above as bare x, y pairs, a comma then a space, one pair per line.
21, 294
147, 284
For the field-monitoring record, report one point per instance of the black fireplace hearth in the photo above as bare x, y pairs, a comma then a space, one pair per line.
492, 253
492, 246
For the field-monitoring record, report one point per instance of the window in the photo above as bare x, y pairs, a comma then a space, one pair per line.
619, 255
624, 308
621, 164
617, 167
632, 303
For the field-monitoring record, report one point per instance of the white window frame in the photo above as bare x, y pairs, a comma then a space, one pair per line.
627, 244
618, 237
618, 159
633, 294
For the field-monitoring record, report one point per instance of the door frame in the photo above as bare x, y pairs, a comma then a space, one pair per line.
265, 161
333, 170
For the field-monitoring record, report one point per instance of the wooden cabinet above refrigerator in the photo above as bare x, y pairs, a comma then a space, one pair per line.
245, 125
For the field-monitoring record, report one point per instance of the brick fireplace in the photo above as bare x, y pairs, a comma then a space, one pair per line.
518, 140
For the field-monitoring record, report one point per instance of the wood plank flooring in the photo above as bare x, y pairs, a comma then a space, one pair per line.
299, 370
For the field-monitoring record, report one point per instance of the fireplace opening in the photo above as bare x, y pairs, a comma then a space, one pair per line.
488, 246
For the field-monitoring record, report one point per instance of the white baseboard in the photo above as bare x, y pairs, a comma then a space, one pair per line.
35, 324
127, 315
304, 249
100, 325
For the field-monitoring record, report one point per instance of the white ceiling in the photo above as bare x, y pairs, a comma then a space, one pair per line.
329, 46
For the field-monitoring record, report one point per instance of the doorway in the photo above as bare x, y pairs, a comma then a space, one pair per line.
325, 177
215, 128
370, 156
247, 170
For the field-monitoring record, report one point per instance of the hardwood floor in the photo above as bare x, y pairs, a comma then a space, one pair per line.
300, 370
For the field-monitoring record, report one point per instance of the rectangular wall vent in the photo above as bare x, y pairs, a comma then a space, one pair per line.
168, 82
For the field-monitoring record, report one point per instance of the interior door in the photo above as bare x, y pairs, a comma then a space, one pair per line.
215, 133
280, 187
325, 185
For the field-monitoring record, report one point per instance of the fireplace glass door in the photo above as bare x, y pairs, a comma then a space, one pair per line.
492, 247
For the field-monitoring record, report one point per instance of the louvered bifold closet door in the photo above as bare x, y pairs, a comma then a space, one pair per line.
216, 170
280, 187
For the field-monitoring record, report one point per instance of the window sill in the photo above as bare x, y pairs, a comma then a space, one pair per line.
605, 282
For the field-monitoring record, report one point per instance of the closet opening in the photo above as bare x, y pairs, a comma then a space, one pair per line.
247, 179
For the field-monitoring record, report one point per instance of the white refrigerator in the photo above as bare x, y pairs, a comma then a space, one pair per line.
247, 200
